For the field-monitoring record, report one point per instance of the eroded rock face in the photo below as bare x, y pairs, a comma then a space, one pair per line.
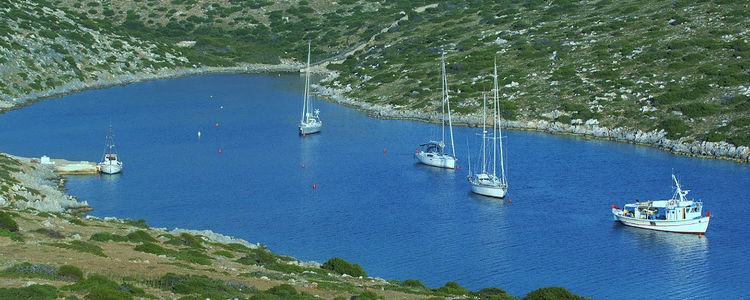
38, 189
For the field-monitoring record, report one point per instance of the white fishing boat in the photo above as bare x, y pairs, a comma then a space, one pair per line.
110, 164
310, 122
674, 215
433, 152
486, 182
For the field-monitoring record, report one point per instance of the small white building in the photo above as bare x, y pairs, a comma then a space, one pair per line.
46, 161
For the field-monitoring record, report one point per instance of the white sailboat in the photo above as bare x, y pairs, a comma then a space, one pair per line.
110, 164
484, 182
433, 152
310, 122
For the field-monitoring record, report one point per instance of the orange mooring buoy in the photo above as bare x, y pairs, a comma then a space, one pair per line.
315, 186
384, 151
219, 150
510, 200
458, 167
217, 124
303, 166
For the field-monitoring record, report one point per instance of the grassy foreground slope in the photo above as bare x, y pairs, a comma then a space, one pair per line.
675, 65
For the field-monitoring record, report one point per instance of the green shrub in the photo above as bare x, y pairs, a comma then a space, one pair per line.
283, 290
14, 236
186, 239
453, 288
80, 246
191, 256
108, 293
71, 272
493, 293
675, 128
697, 110
7, 223
341, 266
140, 236
192, 284
368, 295
29, 270
552, 293
107, 236
258, 256
137, 223
414, 283
34, 291
77, 221
151, 248
224, 253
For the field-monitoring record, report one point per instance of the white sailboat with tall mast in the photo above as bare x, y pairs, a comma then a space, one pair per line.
310, 122
433, 152
110, 164
484, 182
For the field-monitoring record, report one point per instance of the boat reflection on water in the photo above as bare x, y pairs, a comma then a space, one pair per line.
678, 258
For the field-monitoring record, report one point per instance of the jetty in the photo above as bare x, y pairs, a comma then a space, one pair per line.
66, 167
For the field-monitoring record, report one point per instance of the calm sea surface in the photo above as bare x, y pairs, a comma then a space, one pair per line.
374, 206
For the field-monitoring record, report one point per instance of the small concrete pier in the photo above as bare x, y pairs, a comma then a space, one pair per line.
66, 167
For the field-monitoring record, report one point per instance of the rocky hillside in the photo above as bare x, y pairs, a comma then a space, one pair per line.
676, 69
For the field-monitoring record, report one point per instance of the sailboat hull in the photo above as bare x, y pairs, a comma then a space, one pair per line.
110, 168
490, 191
310, 128
436, 160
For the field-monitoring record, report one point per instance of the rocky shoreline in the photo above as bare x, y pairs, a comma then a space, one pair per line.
79, 86
657, 139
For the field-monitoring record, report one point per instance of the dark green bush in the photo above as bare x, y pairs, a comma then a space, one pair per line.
71, 272
283, 290
453, 288
697, 110
137, 223
368, 295
107, 236
224, 253
192, 284
140, 236
80, 246
34, 291
151, 248
675, 128
552, 293
493, 293
77, 221
341, 266
186, 239
7, 223
414, 283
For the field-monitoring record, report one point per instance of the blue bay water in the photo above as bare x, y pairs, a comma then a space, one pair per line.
374, 206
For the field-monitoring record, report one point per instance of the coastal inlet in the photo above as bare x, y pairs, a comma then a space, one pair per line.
380, 209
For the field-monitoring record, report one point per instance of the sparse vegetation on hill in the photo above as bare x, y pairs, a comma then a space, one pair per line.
633, 65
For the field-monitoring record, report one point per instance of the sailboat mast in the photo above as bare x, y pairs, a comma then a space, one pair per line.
306, 105
443, 96
484, 134
499, 127
448, 103
494, 122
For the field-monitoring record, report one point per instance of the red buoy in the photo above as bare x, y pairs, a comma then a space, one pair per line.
708, 214
217, 124
510, 200
418, 150
458, 167
303, 134
303, 166
384, 151
315, 186
219, 150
